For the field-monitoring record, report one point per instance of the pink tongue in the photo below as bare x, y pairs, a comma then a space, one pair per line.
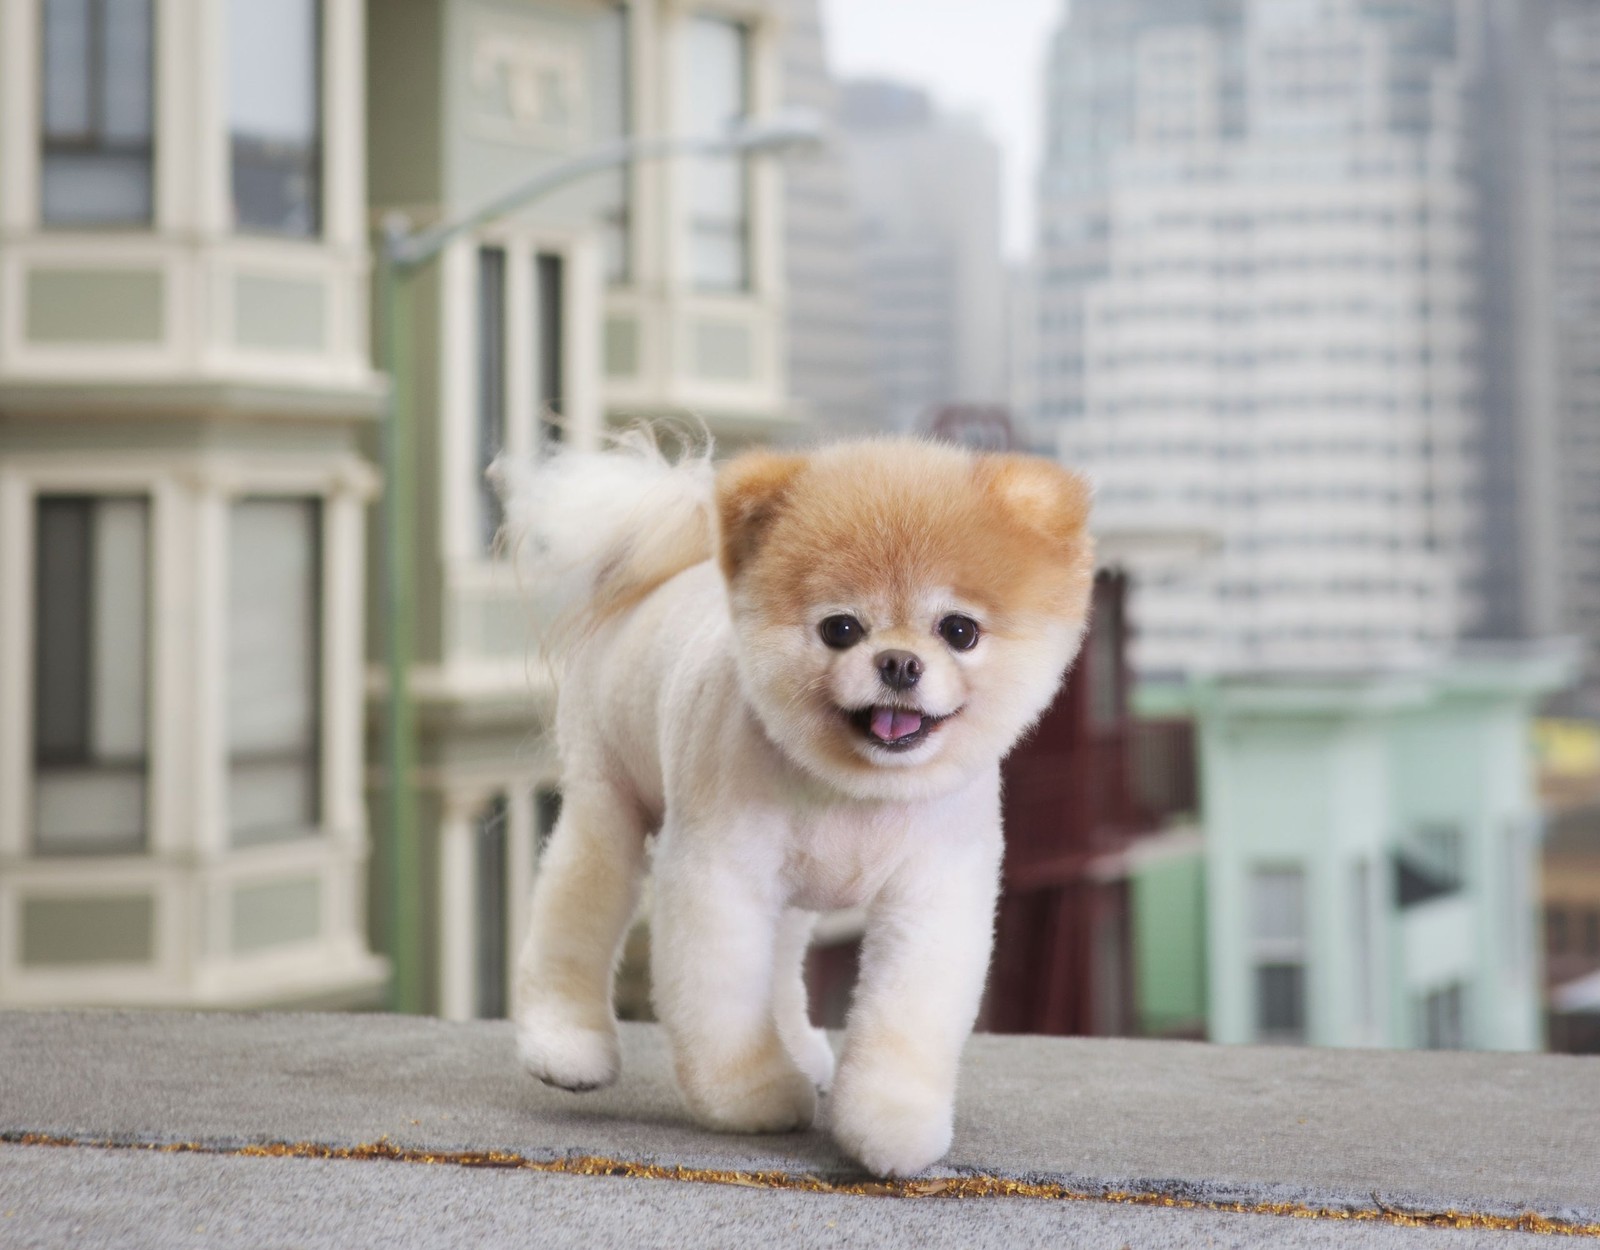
891, 723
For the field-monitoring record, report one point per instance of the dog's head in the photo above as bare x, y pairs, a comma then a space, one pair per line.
903, 610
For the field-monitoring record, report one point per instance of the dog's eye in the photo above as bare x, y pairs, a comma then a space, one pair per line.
842, 632
961, 632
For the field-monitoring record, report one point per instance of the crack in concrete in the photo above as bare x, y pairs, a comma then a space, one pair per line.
974, 1185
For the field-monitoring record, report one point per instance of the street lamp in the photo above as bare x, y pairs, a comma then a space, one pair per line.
402, 253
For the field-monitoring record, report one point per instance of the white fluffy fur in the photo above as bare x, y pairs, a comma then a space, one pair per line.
658, 733
587, 525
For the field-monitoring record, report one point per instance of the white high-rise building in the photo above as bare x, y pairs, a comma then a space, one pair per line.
1257, 317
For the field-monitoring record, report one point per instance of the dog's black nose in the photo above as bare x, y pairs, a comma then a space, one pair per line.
900, 670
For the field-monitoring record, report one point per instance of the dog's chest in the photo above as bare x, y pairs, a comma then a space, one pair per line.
841, 859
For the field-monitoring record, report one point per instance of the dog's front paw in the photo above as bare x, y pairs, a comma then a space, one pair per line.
892, 1127
766, 1094
560, 1050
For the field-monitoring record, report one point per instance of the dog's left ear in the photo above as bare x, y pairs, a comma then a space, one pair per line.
750, 490
1048, 499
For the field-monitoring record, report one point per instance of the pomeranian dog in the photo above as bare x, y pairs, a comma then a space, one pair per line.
800, 673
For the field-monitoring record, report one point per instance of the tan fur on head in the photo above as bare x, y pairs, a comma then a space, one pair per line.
899, 533
749, 490
1006, 529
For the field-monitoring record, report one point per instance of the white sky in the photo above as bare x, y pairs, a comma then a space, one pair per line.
979, 56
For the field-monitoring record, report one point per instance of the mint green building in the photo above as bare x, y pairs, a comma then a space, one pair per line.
1369, 859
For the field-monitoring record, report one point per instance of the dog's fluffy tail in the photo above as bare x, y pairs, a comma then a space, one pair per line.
593, 532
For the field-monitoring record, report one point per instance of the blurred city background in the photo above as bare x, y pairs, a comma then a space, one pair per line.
1311, 288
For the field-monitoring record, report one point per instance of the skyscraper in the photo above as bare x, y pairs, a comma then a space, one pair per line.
1257, 316
928, 189
1537, 129
831, 373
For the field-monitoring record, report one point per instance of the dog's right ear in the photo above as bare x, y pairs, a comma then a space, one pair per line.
750, 490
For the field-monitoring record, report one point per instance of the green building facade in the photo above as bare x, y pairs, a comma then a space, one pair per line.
651, 290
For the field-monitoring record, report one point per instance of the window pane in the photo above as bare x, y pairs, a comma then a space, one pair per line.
546, 811
1443, 1022
66, 69
1439, 850
91, 674
716, 95
126, 112
491, 385
61, 629
90, 809
273, 115
715, 82
492, 917
98, 100
1280, 1002
611, 122
120, 642
717, 259
271, 800
273, 657
548, 272
96, 188
1278, 900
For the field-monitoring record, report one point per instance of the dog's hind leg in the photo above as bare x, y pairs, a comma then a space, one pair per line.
791, 1007
583, 899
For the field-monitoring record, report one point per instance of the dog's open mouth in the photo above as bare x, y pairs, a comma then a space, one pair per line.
894, 728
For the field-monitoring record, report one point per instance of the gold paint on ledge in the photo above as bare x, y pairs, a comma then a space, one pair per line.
934, 1187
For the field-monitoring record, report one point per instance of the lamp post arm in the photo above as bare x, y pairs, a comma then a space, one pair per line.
412, 250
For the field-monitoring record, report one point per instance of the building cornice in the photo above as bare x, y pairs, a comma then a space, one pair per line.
192, 400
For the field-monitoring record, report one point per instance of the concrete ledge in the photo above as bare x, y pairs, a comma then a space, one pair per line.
1378, 1141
